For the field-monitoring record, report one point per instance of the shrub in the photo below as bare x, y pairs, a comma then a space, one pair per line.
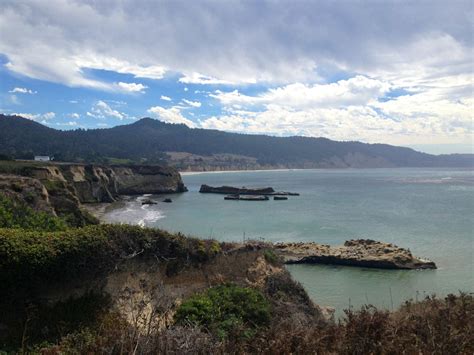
226, 309
16, 214
270, 256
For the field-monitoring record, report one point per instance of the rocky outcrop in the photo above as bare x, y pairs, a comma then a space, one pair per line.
97, 183
26, 189
147, 179
359, 252
53, 197
247, 198
231, 190
62, 188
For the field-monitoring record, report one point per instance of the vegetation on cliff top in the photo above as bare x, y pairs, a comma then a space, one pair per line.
30, 258
17, 214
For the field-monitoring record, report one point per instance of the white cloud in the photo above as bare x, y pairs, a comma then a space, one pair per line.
165, 98
230, 42
23, 91
196, 78
358, 90
192, 103
170, 115
74, 115
132, 87
186, 89
39, 117
93, 61
103, 110
48, 115
359, 108
69, 124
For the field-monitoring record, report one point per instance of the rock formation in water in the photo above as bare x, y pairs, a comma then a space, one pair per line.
359, 252
231, 190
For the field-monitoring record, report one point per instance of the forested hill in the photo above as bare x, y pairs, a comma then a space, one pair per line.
149, 139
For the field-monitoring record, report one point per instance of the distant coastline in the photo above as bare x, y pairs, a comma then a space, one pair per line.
184, 173
198, 172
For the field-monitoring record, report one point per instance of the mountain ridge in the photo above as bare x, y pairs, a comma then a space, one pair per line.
187, 148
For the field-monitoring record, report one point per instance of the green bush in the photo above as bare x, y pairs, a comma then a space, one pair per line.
270, 256
15, 214
226, 309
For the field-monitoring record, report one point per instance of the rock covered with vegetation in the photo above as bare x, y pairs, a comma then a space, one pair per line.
15, 214
71, 286
358, 252
25, 197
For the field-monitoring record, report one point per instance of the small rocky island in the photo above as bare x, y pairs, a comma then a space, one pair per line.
231, 190
359, 252
247, 198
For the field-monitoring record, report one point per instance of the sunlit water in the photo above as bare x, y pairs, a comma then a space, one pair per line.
429, 211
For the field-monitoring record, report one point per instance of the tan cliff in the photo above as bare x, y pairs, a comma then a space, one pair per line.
63, 188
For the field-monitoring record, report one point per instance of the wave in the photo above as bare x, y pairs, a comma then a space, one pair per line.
134, 213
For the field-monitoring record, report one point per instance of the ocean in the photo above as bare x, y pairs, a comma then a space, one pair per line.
429, 211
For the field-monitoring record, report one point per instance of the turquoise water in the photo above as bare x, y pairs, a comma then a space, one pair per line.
429, 211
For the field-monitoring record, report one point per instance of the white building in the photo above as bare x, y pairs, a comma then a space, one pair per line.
42, 158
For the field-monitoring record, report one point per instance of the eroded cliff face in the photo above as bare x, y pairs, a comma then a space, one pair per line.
137, 288
147, 179
96, 183
62, 188
26, 189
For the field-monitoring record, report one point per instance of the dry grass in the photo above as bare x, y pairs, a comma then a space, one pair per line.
432, 326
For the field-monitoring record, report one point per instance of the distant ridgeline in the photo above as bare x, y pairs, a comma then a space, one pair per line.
152, 141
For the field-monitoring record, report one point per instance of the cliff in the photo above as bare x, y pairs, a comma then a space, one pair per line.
138, 276
62, 188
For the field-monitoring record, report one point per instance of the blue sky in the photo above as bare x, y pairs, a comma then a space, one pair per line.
378, 72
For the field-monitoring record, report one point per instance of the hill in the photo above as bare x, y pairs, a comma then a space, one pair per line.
201, 149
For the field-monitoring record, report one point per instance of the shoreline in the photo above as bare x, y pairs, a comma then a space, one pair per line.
361, 253
185, 173
98, 210
198, 172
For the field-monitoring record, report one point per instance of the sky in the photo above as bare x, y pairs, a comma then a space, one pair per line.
396, 72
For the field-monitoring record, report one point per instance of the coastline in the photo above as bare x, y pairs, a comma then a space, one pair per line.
187, 173
98, 210
198, 172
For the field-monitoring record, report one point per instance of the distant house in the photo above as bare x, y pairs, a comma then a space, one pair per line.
43, 158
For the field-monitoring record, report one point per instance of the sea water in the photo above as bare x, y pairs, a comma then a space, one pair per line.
429, 211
